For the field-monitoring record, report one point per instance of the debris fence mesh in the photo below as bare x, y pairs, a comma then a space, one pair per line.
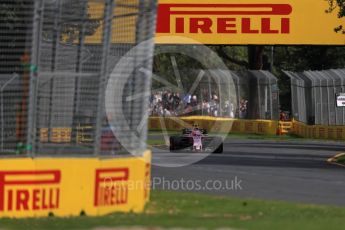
56, 58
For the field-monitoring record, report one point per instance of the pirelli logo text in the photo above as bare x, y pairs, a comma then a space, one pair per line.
111, 187
224, 19
29, 190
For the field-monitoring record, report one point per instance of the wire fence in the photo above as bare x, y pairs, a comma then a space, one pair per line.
314, 96
56, 59
257, 94
252, 95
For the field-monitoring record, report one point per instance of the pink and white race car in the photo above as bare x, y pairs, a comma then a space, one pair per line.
196, 140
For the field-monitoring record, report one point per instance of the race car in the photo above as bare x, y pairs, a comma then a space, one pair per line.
196, 140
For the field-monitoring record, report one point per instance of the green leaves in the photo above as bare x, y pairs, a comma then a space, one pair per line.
337, 5
72, 18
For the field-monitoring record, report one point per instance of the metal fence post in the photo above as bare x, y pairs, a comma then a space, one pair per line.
55, 49
32, 106
106, 40
79, 69
2, 89
143, 132
259, 112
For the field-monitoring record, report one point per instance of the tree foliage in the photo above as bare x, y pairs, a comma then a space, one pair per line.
16, 18
339, 7
291, 58
73, 17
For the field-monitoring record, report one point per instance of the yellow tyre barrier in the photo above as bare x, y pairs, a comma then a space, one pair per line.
214, 124
59, 135
318, 131
64, 135
285, 127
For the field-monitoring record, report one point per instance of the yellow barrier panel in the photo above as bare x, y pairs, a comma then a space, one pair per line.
61, 135
68, 187
44, 135
285, 127
64, 135
212, 124
127, 35
84, 134
318, 131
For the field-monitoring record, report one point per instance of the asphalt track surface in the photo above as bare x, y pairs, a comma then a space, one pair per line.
269, 170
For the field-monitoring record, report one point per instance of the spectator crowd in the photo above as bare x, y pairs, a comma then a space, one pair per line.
167, 103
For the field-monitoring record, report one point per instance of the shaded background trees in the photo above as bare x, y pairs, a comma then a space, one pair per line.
15, 20
16, 27
292, 58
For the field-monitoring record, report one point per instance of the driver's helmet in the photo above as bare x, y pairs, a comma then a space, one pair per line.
196, 126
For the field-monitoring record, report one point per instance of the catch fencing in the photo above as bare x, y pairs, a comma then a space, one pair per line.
314, 96
248, 95
259, 92
56, 58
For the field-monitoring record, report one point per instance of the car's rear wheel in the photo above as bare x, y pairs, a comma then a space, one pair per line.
174, 141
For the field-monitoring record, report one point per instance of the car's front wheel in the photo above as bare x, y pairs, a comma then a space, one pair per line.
174, 143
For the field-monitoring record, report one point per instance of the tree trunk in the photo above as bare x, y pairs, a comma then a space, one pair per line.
255, 60
255, 54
